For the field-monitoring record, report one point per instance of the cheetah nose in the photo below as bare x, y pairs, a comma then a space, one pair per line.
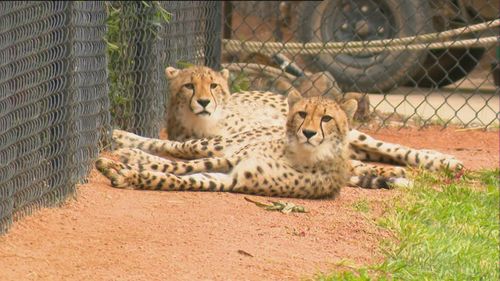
203, 102
309, 134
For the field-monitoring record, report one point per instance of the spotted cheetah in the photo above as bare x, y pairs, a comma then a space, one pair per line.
201, 105
311, 161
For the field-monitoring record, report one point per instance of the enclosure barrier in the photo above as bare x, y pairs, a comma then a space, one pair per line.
53, 101
146, 44
424, 41
416, 63
58, 100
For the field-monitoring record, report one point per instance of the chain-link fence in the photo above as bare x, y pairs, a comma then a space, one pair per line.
53, 100
415, 62
55, 105
150, 38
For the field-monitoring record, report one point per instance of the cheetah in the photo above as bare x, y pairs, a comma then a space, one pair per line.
201, 105
311, 161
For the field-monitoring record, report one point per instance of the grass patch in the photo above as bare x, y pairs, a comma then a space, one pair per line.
361, 206
447, 227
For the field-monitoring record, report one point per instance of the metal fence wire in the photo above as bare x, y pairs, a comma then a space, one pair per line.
53, 100
414, 62
71, 71
147, 43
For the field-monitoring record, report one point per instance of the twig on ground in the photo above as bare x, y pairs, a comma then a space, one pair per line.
284, 207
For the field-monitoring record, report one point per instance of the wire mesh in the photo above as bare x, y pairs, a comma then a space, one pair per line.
415, 83
55, 111
53, 101
147, 45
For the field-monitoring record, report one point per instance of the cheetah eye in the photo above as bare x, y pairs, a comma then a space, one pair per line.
302, 114
213, 86
326, 118
189, 86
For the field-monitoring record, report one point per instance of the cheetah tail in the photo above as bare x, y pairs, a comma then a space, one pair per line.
371, 181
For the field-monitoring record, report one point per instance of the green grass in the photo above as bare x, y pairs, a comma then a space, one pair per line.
447, 229
361, 206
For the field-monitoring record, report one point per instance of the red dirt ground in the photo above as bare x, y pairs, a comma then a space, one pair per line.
111, 234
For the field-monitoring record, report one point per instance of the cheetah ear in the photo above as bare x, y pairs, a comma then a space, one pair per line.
171, 72
349, 106
293, 97
225, 73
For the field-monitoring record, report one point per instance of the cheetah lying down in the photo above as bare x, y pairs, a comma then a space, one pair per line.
200, 105
310, 161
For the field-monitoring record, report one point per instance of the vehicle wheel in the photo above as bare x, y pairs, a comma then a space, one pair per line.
446, 66
363, 20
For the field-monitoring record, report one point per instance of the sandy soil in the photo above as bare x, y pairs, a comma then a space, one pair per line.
111, 234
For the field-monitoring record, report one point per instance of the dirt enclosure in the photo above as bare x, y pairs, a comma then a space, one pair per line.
111, 234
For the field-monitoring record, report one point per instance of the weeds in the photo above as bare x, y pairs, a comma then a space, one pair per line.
362, 206
121, 56
447, 228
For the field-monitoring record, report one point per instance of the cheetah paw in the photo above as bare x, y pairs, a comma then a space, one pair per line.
117, 173
453, 164
443, 160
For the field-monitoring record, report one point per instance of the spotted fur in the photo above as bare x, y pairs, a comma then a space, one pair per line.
312, 161
246, 111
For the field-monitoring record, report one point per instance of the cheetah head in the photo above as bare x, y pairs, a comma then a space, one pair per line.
318, 126
198, 90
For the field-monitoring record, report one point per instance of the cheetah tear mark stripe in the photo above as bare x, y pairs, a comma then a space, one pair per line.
192, 96
321, 127
301, 124
212, 94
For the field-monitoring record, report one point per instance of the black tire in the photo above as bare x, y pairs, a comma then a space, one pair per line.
319, 22
444, 67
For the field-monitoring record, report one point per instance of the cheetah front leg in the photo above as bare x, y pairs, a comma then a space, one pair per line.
192, 149
124, 176
376, 150
144, 161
